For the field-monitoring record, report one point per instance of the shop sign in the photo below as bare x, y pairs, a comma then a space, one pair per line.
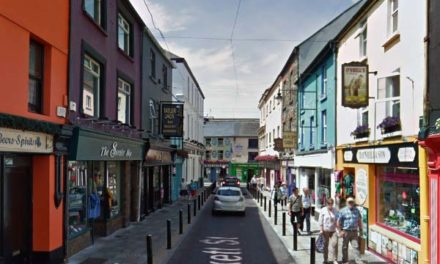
355, 85
373, 155
407, 154
289, 140
158, 155
278, 144
172, 120
348, 155
114, 152
361, 179
12, 140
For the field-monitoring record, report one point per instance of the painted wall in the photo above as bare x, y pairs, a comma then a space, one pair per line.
270, 111
47, 23
312, 103
407, 55
101, 44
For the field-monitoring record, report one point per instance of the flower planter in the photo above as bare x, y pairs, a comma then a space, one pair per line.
390, 129
362, 135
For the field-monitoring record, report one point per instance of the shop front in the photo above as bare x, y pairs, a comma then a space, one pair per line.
156, 180
314, 171
216, 169
244, 171
385, 182
30, 177
100, 172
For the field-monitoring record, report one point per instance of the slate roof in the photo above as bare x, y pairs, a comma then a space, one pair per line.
246, 127
310, 48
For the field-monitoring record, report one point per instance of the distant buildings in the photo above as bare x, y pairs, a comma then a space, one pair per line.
231, 148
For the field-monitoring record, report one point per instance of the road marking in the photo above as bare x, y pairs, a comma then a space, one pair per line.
222, 255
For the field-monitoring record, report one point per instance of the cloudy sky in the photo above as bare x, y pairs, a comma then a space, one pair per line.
233, 74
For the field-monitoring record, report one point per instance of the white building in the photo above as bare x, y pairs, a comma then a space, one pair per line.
186, 89
270, 130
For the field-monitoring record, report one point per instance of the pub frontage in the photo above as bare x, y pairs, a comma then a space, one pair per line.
100, 172
385, 181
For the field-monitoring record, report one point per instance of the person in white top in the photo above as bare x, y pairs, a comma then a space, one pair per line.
327, 224
307, 204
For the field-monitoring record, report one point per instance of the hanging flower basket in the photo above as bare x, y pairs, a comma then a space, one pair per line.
390, 124
361, 132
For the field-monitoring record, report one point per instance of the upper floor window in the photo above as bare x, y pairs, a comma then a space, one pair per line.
324, 82
124, 32
91, 87
302, 134
253, 143
312, 131
154, 123
36, 74
220, 141
363, 39
208, 142
165, 76
388, 92
124, 101
152, 64
393, 20
220, 155
364, 116
94, 9
324, 127
278, 132
208, 155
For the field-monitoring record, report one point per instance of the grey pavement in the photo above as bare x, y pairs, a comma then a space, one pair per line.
302, 255
128, 245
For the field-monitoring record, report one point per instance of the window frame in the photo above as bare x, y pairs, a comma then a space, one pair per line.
324, 128
122, 23
38, 109
302, 134
129, 96
363, 38
100, 22
393, 17
324, 82
312, 131
96, 107
391, 99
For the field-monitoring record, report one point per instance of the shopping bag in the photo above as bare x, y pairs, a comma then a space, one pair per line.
320, 244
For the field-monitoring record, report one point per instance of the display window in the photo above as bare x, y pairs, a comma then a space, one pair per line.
114, 187
156, 178
77, 197
398, 200
323, 191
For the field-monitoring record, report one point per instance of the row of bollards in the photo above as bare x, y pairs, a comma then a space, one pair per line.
262, 200
197, 203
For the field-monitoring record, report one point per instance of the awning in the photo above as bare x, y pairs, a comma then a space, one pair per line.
266, 158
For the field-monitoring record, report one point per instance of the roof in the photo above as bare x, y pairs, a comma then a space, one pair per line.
310, 48
179, 59
240, 127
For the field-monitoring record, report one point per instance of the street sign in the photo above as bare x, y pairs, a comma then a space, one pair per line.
172, 120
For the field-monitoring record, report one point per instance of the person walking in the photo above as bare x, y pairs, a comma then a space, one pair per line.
283, 191
327, 225
307, 204
349, 225
296, 209
275, 194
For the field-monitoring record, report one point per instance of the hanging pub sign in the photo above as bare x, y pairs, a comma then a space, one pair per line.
278, 144
289, 140
172, 120
355, 85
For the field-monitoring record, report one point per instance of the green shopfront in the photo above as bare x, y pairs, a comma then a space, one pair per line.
101, 172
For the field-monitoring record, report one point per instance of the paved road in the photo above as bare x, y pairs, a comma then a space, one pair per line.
231, 239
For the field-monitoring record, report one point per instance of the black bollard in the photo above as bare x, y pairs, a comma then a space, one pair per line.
284, 223
270, 208
189, 213
261, 199
312, 250
180, 221
258, 196
265, 202
168, 234
275, 213
198, 202
149, 250
195, 207
203, 198
295, 236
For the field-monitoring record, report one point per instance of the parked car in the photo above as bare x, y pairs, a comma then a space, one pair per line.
229, 199
231, 181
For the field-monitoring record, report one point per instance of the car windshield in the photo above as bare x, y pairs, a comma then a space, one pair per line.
228, 192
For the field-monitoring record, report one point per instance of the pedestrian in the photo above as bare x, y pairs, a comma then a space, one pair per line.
307, 204
275, 194
296, 209
327, 225
283, 190
349, 225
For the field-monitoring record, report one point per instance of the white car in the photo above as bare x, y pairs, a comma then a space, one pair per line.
229, 199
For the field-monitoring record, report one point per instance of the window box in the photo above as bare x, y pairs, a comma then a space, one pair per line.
362, 131
390, 124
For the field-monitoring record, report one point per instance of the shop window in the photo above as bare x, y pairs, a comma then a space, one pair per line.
323, 191
91, 87
36, 73
114, 187
124, 34
77, 198
124, 101
156, 178
399, 200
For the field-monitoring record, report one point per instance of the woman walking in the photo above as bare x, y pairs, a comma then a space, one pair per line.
327, 223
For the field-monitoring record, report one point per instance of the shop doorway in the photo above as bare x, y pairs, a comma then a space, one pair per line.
16, 204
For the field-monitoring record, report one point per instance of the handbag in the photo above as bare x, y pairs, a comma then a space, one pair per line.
319, 244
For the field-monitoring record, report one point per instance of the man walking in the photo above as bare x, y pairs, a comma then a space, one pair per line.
349, 224
296, 209
307, 204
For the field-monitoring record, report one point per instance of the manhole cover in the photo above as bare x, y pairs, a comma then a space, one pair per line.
94, 261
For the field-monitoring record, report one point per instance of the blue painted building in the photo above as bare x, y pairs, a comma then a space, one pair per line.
316, 86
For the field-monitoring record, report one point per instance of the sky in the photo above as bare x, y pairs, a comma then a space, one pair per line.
234, 65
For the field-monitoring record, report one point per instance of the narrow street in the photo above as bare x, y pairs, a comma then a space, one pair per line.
232, 238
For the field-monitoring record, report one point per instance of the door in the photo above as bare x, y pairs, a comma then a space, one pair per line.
17, 208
